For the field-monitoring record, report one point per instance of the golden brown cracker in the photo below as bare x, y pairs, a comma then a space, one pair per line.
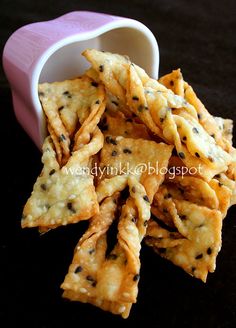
63, 195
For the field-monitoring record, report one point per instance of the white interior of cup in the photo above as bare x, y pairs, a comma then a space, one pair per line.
67, 61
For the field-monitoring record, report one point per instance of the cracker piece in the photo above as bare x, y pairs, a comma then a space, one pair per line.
224, 180
63, 195
201, 228
110, 281
224, 195
226, 128
175, 82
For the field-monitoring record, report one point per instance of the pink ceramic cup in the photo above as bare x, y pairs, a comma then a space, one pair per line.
51, 51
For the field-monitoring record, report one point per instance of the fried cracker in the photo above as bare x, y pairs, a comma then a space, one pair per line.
110, 281
201, 227
63, 195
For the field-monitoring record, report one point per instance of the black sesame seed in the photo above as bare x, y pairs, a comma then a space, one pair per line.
89, 278
101, 68
112, 257
78, 269
162, 119
114, 153
211, 159
62, 137
115, 102
184, 138
60, 108
145, 223
97, 102
167, 196
197, 155
43, 186
94, 84
41, 94
199, 116
94, 283
213, 135
70, 207
91, 251
217, 176
181, 155
172, 83
66, 93
113, 142
52, 172
136, 277
199, 256
209, 251
134, 219
220, 184
127, 151
195, 130
146, 198
135, 98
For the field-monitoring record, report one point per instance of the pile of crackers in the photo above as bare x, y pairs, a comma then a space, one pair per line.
138, 157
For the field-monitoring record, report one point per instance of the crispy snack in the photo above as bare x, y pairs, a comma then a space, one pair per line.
67, 104
110, 280
214, 126
63, 195
168, 115
197, 248
165, 172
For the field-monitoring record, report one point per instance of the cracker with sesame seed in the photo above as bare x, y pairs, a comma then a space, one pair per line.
113, 277
226, 127
201, 241
63, 195
155, 106
67, 104
230, 183
224, 196
175, 82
